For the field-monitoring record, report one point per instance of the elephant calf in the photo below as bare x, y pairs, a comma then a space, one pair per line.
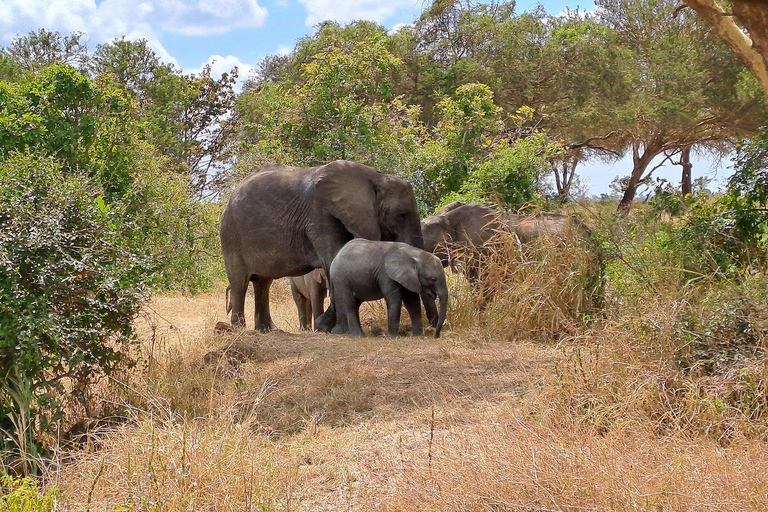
365, 270
309, 293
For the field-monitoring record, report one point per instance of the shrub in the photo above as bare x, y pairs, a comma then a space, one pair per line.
72, 278
23, 495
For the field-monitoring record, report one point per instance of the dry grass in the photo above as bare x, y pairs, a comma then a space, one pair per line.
479, 420
541, 290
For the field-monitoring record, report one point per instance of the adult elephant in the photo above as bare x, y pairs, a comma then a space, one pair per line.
458, 232
286, 221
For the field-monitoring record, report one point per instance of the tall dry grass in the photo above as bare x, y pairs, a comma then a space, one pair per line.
541, 290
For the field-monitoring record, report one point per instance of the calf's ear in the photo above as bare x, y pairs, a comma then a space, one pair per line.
403, 268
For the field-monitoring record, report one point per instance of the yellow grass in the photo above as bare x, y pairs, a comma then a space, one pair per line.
294, 421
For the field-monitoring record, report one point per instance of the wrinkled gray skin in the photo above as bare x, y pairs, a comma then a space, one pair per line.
286, 221
309, 293
365, 270
463, 227
545, 224
458, 232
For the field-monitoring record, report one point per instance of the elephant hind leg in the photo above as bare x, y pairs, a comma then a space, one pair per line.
308, 318
261, 318
238, 288
301, 306
317, 302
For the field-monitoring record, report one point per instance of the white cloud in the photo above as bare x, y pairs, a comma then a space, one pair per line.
344, 11
221, 65
283, 50
115, 18
397, 26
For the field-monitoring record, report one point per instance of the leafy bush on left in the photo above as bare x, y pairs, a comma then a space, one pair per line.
71, 282
91, 220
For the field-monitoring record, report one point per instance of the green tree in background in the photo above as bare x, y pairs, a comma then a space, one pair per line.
187, 115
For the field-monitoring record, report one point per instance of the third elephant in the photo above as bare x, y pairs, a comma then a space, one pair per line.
309, 292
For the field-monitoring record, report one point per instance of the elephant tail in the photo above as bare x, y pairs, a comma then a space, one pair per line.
227, 302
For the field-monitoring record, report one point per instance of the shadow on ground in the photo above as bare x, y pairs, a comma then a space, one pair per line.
299, 381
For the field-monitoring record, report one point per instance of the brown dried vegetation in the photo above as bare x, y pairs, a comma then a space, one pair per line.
537, 402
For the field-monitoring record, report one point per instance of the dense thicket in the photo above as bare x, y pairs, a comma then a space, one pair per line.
102, 176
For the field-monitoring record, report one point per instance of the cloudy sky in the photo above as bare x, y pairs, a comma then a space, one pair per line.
227, 33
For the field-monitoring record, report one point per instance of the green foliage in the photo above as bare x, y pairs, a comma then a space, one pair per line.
72, 277
42, 48
469, 127
186, 116
729, 327
510, 176
24, 495
750, 180
339, 105
84, 124
91, 219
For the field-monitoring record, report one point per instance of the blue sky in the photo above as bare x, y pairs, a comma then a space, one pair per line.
226, 33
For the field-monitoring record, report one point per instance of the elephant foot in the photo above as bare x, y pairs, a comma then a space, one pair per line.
271, 327
326, 322
340, 329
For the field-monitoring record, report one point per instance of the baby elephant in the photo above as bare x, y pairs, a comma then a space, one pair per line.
365, 270
309, 293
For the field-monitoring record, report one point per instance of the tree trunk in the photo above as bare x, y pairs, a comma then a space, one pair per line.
754, 16
564, 177
686, 186
640, 165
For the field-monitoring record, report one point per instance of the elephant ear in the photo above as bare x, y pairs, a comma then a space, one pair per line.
349, 194
318, 276
403, 268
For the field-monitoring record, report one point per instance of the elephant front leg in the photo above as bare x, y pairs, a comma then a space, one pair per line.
347, 315
413, 306
394, 303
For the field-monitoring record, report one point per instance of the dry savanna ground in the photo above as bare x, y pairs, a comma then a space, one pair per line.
297, 421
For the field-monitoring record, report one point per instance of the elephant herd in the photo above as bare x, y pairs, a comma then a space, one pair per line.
355, 232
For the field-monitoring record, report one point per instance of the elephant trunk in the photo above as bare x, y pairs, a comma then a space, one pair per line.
430, 309
411, 235
443, 294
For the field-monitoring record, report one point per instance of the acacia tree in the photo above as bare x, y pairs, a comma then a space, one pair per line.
685, 84
750, 47
589, 81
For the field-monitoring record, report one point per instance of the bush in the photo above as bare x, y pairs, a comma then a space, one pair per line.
682, 340
23, 495
72, 278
